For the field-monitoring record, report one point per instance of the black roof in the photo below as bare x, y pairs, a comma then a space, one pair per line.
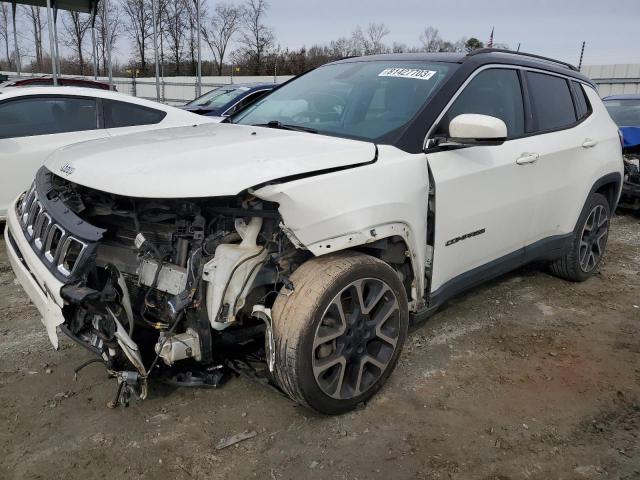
479, 58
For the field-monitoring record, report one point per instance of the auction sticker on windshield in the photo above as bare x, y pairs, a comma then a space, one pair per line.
418, 73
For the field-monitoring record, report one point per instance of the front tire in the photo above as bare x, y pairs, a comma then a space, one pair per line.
588, 244
339, 334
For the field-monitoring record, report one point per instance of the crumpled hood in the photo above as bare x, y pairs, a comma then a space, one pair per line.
205, 160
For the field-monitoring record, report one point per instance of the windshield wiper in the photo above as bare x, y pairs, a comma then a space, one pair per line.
285, 126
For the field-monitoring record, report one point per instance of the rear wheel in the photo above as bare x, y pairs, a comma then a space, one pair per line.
589, 242
339, 334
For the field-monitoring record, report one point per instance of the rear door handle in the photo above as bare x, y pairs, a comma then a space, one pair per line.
589, 143
527, 158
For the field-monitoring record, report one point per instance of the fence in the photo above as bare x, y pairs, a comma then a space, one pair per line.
611, 79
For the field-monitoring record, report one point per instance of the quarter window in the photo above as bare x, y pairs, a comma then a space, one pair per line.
551, 101
123, 114
495, 92
47, 115
582, 103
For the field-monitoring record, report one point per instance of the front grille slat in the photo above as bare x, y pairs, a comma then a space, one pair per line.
58, 248
54, 240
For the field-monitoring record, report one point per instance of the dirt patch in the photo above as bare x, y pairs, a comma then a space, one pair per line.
526, 377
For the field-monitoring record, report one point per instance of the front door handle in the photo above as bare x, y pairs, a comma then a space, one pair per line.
589, 143
527, 158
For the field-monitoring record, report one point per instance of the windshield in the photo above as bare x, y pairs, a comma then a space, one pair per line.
359, 99
626, 113
218, 98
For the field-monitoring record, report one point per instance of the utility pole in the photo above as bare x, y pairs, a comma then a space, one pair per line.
155, 47
15, 39
108, 33
52, 48
199, 80
581, 55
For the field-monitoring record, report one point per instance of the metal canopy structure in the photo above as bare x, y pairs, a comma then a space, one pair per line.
83, 6
91, 7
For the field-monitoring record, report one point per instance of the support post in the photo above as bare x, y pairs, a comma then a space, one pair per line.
199, 79
15, 40
109, 46
52, 48
155, 47
55, 36
93, 41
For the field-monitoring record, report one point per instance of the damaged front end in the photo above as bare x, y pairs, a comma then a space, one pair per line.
630, 197
152, 284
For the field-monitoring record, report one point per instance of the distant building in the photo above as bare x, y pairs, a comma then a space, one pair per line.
614, 79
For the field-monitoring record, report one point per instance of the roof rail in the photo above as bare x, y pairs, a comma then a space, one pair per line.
539, 57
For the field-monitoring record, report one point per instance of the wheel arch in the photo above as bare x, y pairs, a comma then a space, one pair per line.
610, 186
393, 243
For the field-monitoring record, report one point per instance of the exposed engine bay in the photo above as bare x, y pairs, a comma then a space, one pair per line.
630, 197
169, 280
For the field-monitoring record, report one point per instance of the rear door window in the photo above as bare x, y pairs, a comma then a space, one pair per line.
495, 92
123, 114
551, 101
45, 115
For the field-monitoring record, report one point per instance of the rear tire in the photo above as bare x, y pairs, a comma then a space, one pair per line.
588, 243
339, 334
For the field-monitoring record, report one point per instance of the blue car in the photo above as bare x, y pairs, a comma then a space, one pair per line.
625, 111
228, 99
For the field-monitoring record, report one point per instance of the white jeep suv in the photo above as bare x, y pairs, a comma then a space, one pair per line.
297, 241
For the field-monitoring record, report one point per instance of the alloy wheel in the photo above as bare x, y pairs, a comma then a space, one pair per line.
593, 238
356, 338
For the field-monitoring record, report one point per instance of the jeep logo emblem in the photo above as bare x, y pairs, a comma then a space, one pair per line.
67, 169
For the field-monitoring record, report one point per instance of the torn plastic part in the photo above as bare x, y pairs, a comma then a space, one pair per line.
291, 236
126, 302
264, 314
130, 349
233, 266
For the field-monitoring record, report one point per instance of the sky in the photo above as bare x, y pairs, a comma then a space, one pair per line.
554, 28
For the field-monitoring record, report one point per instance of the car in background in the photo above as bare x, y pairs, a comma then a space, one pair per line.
62, 82
227, 100
36, 121
625, 112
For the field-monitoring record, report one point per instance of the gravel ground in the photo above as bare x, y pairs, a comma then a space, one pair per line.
526, 377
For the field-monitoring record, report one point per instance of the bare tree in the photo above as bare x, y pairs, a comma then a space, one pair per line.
375, 33
192, 21
256, 37
76, 28
107, 32
4, 30
139, 27
176, 22
430, 39
35, 16
224, 24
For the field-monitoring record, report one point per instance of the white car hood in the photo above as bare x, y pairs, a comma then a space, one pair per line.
202, 160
